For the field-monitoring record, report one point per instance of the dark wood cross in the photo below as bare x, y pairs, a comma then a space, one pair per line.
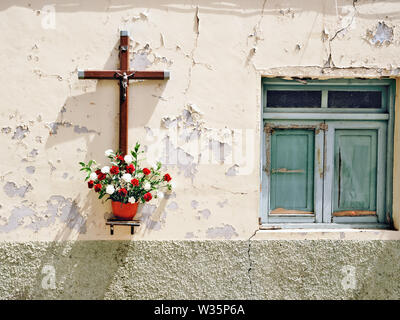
123, 76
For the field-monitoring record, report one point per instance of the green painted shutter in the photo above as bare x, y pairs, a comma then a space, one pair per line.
292, 171
355, 175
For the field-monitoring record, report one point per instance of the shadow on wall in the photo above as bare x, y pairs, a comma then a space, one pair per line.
254, 7
96, 108
97, 113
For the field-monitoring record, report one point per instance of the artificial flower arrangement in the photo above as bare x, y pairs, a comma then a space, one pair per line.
125, 183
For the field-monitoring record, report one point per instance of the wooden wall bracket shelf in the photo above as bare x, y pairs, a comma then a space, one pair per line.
115, 222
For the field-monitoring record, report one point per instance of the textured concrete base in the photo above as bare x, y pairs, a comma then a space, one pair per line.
255, 269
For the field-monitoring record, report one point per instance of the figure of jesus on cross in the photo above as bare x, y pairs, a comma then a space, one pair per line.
123, 76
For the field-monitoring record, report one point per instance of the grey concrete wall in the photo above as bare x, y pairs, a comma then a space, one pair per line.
255, 269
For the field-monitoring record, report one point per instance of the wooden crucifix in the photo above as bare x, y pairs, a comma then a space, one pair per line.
123, 76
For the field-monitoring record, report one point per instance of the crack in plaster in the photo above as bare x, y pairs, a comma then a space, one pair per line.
196, 30
228, 190
256, 35
329, 62
250, 262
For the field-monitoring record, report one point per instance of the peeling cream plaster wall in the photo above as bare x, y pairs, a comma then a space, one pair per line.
217, 53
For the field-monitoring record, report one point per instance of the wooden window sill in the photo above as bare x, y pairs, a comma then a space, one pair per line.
327, 234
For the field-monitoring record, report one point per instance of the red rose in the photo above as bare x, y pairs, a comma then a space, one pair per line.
167, 177
130, 168
135, 182
101, 176
97, 187
98, 171
90, 184
120, 158
146, 171
123, 192
147, 197
114, 170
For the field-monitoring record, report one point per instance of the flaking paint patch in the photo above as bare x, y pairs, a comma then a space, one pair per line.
54, 126
173, 206
190, 235
189, 118
6, 130
221, 204
65, 210
147, 211
30, 169
220, 150
140, 61
232, 171
194, 204
383, 35
205, 213
12, 190
169, 122
80, 129
34, 153
17, 218
20, 132
170, 195
225, 232
177, 156
58, 208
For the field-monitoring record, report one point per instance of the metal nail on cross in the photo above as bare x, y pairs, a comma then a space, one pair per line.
123, 76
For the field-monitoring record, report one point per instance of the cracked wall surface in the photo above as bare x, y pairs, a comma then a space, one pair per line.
202, 124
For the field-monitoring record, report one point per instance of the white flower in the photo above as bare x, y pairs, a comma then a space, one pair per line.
105, 169
108, 152
93, 176
160, 195
147, 186
128, 158
172, 184
132, 200
127, 177
110, 189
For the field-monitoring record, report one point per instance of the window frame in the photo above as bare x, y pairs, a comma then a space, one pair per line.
333, 116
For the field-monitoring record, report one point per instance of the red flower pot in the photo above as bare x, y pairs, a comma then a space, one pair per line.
124, 211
